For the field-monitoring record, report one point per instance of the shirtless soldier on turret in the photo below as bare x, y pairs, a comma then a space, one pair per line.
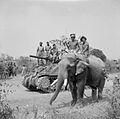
73, 44
40, 52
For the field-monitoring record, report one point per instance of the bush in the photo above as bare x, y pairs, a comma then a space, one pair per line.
98, 53
114, 96
6, 112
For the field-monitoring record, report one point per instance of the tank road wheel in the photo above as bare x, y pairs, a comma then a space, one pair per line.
43, 83
28, 82
25, 82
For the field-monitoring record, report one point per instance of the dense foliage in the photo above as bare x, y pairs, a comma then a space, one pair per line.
98, 53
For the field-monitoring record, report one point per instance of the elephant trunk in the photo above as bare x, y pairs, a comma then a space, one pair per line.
62, 75
58, 88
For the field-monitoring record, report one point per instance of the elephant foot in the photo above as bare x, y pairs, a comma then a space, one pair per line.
79, 106
73, 102
100, 97
94, 101
94, 98
80, 100
80, 103
94, 95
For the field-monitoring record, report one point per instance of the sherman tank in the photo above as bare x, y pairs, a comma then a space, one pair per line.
41, 77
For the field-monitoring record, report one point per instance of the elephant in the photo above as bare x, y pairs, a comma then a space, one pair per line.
80, 72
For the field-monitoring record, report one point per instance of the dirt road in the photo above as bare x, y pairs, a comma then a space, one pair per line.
17, 95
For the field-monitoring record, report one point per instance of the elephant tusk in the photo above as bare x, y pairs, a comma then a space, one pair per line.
65, 82
85, 63
54, 82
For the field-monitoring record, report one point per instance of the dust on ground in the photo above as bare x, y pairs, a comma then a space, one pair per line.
19, 96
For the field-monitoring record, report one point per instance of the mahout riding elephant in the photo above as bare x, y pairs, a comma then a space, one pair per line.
80, 71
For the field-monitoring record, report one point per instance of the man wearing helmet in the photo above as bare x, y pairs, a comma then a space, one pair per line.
73, 44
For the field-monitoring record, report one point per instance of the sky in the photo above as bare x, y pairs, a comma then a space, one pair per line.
24, 23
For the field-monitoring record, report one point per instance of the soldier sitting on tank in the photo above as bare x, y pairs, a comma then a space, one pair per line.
54, 53
47, 51
40, 53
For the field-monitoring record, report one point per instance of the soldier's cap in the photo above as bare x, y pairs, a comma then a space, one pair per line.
72, 35
83, 37
41, 42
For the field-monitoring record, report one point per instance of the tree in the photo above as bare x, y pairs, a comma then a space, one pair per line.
6, 57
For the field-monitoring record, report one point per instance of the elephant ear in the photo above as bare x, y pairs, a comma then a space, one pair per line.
81, 66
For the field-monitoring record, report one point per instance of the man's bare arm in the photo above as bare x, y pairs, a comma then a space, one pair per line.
37, 49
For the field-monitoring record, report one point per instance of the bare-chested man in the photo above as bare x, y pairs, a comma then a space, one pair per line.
54, 53
40, 53
47, 51
73, 44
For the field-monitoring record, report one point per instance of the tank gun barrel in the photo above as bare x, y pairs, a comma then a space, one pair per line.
38, 57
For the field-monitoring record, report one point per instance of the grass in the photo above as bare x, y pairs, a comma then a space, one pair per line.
6, 112
114, 95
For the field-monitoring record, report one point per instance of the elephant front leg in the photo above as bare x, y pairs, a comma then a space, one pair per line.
80, 91
100, 88
100, 94
73, 89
